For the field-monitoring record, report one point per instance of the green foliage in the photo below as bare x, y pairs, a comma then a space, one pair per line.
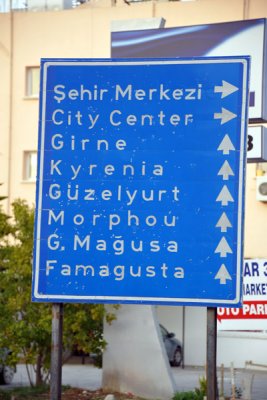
4, 395
5, 230
203, 385
202, 390
197, 394
24, 392
191, 395
26, 326
29, 393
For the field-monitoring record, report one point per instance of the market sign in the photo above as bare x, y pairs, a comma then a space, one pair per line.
253, 314
140, 191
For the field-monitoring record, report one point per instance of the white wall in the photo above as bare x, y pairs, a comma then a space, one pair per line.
232, 347
135, 359
239, 347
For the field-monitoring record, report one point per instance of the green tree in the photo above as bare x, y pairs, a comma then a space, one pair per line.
5, 230
26, 326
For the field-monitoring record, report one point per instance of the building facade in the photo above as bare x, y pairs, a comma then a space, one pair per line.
26, 37
85, 32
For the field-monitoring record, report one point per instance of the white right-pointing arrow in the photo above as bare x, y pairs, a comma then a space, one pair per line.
223, 275
226, 171
226, 89
225, 196
226, 145
223, 248
225, 116
224, 223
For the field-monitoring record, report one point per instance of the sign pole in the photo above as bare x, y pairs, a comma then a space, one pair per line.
183, 337
56, 351
211, 352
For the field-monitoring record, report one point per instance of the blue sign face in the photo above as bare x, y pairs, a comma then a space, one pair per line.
140, 190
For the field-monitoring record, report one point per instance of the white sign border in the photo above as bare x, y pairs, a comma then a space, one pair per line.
130, 299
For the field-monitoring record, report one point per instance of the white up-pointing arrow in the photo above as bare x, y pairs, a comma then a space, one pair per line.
224, 116
226, 89
223, 248
226, 171
224, 223
226, 145
225, 196
223, 275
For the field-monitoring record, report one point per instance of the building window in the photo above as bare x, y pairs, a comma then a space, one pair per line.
32, 81
30, 166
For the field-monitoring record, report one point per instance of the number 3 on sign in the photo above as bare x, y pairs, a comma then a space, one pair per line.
250, 143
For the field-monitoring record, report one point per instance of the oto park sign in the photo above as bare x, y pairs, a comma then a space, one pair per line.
140, 187
253, 314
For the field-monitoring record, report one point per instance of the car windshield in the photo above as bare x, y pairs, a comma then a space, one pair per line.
164, 331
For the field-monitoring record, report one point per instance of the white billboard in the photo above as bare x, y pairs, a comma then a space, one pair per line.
253, 315
223, 39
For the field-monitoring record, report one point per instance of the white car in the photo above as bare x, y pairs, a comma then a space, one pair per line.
173, 347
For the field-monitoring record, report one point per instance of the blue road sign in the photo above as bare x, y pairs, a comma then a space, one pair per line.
140, 189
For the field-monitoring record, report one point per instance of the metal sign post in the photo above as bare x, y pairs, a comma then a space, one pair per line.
56, 351
211, 353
